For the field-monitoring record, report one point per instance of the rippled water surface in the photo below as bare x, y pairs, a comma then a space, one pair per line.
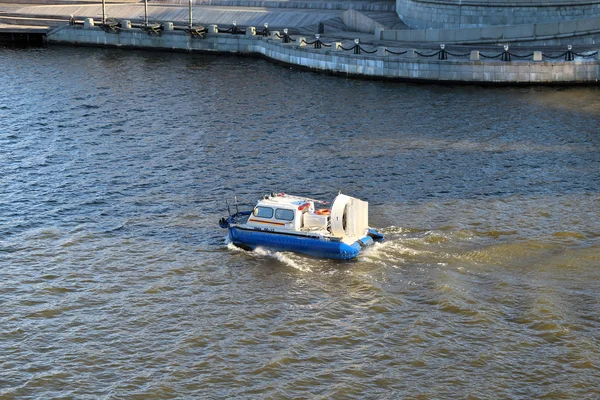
116, 281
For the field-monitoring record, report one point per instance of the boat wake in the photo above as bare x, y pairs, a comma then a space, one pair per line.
404, 246
393, 253
285, 258
468, 249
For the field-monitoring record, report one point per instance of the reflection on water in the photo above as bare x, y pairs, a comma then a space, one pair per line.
116, 280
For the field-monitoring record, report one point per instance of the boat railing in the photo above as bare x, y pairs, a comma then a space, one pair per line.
236, 203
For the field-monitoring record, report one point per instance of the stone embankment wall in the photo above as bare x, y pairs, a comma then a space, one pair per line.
358, 22
442, 14
335, 59
581, 31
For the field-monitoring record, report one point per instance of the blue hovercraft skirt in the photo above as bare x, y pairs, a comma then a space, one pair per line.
313, 246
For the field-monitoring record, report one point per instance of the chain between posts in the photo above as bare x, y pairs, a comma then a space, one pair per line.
554, 57
594, 54
459, 55
233, 30
366, 51
437, 53
491, 57
442, 54
396, 53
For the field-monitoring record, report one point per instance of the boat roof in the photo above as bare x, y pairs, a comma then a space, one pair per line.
282, 200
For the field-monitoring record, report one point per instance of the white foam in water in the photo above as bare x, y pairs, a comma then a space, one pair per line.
282, 257
394, 229
390, 252
233, 247
373, 252
383, 250
260, 252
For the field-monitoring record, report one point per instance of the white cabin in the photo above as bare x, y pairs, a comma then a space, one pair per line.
348, 217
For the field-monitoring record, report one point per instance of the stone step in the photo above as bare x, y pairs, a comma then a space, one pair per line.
59, 2
384, 5
330, 26
390, 20
32, 21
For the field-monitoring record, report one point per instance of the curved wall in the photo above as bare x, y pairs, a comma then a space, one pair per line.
343, 62
576, 32
442, 14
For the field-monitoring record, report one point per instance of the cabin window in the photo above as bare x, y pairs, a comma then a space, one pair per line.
286, 215
263, 212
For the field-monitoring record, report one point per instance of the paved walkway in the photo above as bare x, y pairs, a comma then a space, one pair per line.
301, 17
23, 28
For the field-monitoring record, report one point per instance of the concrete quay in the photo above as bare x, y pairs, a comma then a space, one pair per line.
340, 59
389, 50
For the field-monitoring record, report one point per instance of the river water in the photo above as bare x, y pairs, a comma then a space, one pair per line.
116, 281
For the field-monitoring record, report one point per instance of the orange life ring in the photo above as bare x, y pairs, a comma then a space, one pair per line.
304, 206
323, 211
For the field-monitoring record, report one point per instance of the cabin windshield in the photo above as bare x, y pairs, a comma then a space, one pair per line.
283, 214
263, 212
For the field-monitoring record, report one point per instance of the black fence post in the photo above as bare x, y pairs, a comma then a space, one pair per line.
569, 54
506, 54
443, 54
